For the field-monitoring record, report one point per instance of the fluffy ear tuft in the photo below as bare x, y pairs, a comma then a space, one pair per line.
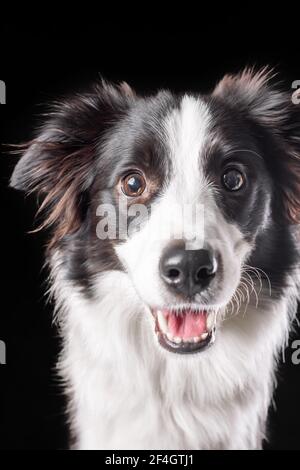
59, 164
254, 94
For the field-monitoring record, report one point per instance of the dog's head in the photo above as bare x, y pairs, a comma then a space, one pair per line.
192, 196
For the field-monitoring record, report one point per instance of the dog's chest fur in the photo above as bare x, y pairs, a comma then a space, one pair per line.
127, 395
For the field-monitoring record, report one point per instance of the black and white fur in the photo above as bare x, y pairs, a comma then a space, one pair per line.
124, 390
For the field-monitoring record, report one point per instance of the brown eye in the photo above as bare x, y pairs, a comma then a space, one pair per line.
133, 185
233, 179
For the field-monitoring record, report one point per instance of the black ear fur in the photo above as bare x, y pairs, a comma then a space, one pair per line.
59, 163
73, 126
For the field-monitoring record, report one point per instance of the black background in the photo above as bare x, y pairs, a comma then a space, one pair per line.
41, 61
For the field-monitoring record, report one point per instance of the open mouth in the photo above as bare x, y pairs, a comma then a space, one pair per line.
184, 330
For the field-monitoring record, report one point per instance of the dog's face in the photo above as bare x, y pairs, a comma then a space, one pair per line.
185, 267
198, 182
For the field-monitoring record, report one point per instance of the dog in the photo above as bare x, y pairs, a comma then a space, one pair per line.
171, 338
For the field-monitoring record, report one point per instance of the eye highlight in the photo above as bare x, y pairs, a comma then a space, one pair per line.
233, 179
133, 185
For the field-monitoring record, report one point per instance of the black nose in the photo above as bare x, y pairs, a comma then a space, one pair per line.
187, 271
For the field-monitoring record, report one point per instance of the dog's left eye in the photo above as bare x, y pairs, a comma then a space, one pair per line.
233, 179
133, 185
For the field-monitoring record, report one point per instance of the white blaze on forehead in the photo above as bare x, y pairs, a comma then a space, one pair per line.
187, 129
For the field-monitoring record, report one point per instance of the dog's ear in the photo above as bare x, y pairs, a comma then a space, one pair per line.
255, 95
59, 164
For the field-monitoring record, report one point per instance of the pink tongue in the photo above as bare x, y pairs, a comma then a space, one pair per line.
187, 325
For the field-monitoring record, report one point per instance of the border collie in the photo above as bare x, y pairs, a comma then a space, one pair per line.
171, 337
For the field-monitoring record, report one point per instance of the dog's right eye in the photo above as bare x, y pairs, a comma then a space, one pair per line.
233, 179
133, 185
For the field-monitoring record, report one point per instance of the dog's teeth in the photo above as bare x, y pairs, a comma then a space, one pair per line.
177, 340
196, 339
170, 337
210, 321
204, 336
162, 322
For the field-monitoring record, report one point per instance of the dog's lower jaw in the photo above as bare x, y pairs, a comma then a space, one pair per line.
126, 393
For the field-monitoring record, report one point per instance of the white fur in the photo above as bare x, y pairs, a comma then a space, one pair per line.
127, 393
